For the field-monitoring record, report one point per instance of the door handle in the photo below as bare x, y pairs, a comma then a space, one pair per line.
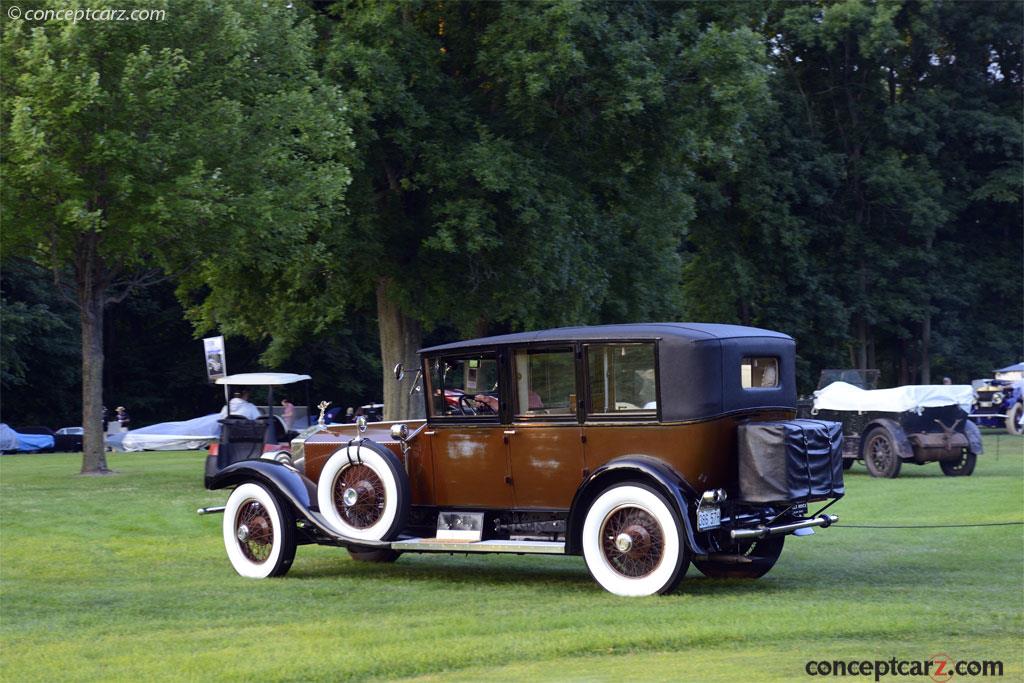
430, 433
507, 433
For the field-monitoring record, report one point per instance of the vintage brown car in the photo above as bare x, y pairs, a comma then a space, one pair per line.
640, 447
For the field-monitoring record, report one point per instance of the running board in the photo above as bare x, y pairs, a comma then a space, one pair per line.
497, 546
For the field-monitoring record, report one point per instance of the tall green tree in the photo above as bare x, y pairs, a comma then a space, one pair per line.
881, 197
524, 164
202, 145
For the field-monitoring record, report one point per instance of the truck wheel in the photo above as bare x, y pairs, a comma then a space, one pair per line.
633, 541
963, 467
381, 555
753, 559
259, 532
847, 463
363, 492
880, 454
1014, 423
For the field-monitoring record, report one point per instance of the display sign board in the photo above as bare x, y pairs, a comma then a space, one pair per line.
216, 358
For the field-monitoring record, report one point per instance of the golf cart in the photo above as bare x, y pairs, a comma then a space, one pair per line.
265, 437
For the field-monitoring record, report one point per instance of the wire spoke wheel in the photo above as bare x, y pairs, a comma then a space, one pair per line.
254, 531
359, 496
632, 540
259, 532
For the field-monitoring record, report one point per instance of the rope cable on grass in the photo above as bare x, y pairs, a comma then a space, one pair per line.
840, 525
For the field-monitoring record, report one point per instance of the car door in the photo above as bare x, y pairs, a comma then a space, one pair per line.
468, 440
545, 438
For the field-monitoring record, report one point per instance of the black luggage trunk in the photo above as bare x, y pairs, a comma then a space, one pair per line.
790, 461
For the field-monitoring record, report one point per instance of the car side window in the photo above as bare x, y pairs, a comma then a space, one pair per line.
759, 373
621, 379
465, 386
545, 382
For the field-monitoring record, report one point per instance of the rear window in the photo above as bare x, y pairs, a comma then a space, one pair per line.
759, 372
621, 379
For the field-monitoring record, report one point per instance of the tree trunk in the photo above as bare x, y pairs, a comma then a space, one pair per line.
926, 340
91, 301
862, 342
400, 338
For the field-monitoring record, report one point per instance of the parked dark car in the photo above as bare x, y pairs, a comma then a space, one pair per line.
640, 447
886, 428
69, 439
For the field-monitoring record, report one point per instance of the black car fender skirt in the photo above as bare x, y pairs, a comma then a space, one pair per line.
289, 485
636, 468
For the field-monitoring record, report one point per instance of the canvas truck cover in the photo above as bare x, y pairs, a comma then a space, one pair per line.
790, 461
843, 396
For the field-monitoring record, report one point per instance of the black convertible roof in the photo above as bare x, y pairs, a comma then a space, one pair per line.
689, 331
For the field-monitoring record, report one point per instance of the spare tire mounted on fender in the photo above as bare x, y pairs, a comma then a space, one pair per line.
363, 492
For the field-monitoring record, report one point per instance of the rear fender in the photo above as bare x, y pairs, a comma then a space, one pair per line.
289, 485
641, 468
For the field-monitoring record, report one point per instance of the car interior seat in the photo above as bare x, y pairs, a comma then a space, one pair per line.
240, 439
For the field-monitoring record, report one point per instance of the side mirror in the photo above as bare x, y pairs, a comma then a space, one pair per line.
399, 371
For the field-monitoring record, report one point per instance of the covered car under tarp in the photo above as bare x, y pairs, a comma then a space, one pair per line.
914, 398
11, 440
169, 436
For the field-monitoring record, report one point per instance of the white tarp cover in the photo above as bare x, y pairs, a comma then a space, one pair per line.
8, 438
843, 396
262, 379
169, 436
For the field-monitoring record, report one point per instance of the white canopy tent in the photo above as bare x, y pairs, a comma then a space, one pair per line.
843, 396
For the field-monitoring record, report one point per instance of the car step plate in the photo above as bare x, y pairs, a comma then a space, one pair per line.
498, 546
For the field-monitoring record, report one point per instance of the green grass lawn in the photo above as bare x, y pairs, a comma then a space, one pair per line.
116, 578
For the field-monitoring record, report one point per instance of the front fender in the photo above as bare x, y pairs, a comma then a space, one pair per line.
289, 485
625, 468
899, 437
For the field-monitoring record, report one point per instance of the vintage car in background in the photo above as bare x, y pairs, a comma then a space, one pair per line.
1000, 401
885, 428
642, 448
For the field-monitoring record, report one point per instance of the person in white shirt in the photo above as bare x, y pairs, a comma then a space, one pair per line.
239, 405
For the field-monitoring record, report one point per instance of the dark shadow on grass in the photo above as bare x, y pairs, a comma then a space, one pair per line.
481, 574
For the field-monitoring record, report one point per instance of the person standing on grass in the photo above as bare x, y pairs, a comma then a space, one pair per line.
288, 414
123, 419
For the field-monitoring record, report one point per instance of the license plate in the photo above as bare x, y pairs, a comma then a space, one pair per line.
708, 517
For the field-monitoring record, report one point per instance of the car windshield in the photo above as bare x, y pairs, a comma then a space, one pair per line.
864, 379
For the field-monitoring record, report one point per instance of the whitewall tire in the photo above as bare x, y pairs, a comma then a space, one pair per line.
363, 493
633, 541
259, 532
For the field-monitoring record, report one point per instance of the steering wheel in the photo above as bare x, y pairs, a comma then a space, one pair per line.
468, 405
